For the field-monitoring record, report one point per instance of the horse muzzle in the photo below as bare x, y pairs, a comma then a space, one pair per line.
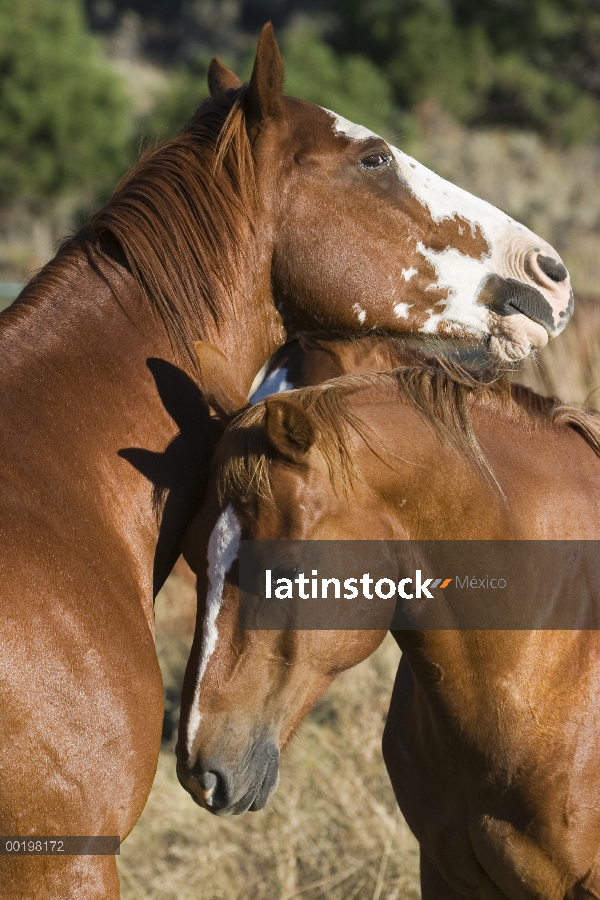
508, 297
223, 791
534, 284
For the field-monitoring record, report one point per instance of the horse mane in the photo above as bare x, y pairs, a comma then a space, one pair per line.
180, 217
443, 398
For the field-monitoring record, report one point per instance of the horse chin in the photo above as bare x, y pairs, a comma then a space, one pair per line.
253, 800
513, 337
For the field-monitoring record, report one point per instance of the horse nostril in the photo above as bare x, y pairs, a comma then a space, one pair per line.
211, 787
207, 782
553, 269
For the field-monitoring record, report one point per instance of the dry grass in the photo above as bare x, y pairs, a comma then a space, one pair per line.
331, 830
175, 618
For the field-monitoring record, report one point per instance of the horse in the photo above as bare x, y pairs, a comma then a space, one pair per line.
224, 233
491, 737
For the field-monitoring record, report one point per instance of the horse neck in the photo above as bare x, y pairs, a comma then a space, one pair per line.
249, 328
373, 354
419, 481
122, 435
430, 484
525, 452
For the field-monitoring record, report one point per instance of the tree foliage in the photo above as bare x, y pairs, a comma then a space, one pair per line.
65, 122
66, 125
178, 101
350, 84
528, 63
531, 64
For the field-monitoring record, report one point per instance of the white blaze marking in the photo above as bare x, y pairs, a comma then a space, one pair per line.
350, 129
360, 313
443, 199
401, 310
462, 277
407, 274
223, 548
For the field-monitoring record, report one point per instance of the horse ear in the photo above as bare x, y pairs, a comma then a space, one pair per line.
220, 78
266, 83
289, 428
218, 386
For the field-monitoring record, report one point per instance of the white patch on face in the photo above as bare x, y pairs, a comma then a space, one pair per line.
360, 313
453, 269
462, 276
350, 129
223, 549
401, 310
443, 199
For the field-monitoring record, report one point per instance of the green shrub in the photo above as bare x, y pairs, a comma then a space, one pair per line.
179, 99
65, 121
522, 63
350, 84
526, 96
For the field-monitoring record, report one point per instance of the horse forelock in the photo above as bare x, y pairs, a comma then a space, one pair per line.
444, 399
181, 215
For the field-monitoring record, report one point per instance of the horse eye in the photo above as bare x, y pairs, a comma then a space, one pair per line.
375, 161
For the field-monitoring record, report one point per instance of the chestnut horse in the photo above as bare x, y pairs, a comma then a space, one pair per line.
264, 216
491, 742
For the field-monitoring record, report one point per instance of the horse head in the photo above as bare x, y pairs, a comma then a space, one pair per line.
246, 691
361, 238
